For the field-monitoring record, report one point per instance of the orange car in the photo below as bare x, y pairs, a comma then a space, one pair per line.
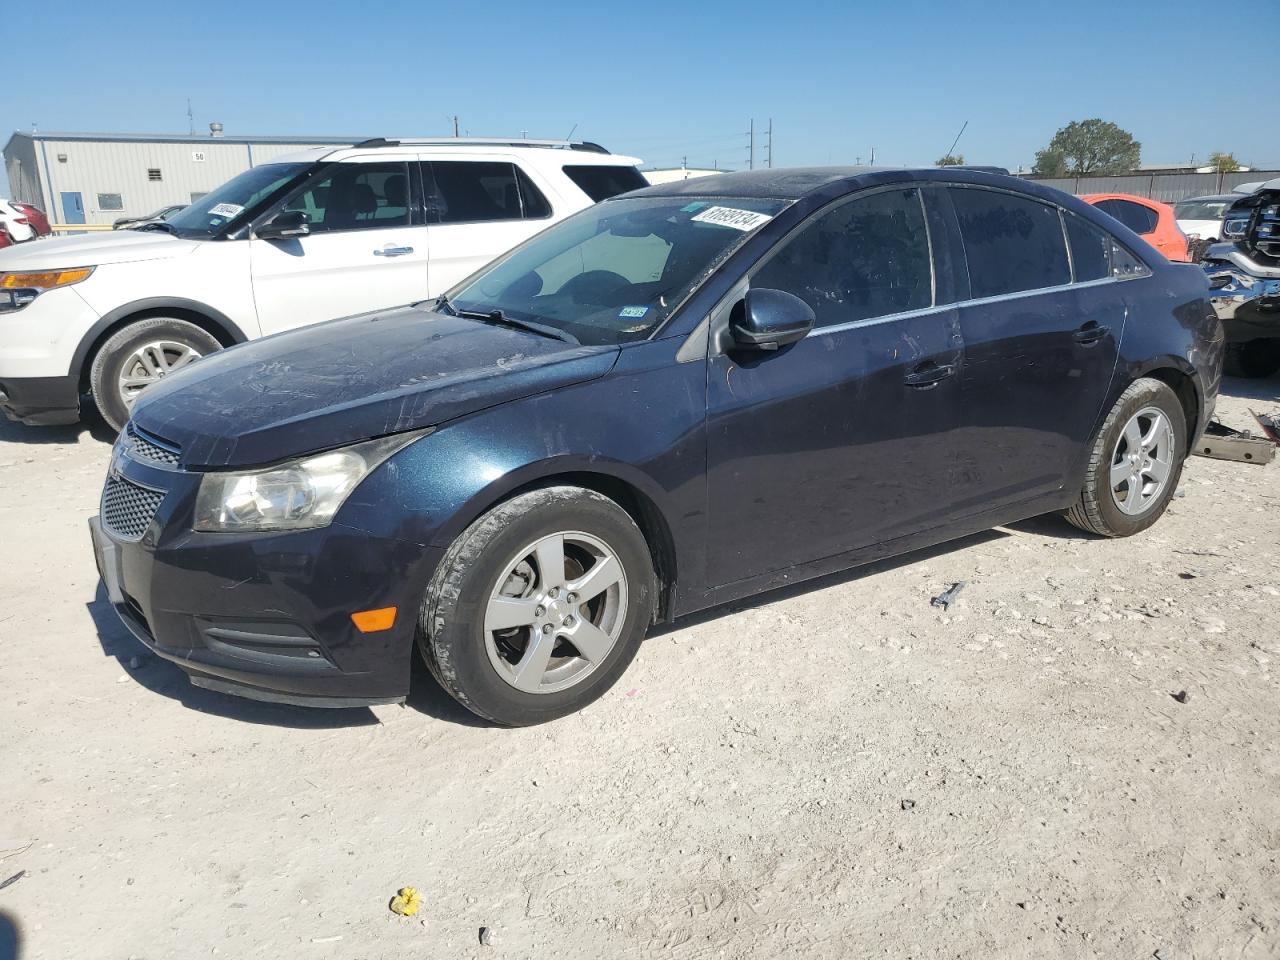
1150, 219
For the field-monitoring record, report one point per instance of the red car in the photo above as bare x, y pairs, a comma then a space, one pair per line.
35, 217
5, 239
1150, 219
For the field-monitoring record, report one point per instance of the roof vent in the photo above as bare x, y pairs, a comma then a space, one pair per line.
215, 129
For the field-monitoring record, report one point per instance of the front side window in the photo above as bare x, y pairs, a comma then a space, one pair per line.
1090, 249
356, 196
615, 272
465, 191
868, 257
208, 214
1135, 216
602, 182
1012, 243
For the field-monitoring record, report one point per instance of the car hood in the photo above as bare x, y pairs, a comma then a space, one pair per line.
348, 380
95, 249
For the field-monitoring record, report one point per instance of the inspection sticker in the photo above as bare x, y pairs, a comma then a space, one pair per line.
227, 210
633, 313
731, 217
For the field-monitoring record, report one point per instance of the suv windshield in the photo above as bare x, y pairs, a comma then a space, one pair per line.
1202, 209
206, 216
617, 270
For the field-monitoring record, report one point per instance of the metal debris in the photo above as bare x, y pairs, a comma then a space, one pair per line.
948, 596
1226, 443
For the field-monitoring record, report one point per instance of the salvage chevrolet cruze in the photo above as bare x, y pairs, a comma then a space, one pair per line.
678, 397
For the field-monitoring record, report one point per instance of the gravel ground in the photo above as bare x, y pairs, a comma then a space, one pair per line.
838, 770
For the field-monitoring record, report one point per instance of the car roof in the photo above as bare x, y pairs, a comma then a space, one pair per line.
558, 153
1209, 198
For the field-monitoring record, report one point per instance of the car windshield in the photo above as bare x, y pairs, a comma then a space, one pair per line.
614, 272
206, 216
1201, 209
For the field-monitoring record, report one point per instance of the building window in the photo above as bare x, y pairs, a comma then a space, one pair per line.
153, 174
110, 201
62, 158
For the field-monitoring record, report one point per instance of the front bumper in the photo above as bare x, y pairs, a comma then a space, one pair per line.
40, 401
1248, 305
266, 616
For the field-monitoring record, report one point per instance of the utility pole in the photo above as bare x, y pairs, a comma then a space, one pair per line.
191, 120
751, 146
873, 156
769, 147
455, 124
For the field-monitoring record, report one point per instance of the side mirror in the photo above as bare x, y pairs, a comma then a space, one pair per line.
288, 223
771, 319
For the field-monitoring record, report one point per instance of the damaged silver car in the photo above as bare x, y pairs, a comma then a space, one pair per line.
1244, 271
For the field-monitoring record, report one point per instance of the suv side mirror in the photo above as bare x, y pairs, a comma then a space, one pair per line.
286, 224
771, 319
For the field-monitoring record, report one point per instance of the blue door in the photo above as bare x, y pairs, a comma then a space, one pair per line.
72, 208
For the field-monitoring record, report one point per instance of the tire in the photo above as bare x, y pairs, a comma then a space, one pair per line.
170, 335
1252, 359
1098, 509
481, 667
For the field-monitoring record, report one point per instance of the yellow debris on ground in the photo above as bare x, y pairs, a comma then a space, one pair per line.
406, 902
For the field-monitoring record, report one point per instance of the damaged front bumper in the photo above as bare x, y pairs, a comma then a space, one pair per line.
1246, 294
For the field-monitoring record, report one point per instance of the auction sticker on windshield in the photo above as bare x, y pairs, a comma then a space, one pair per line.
732, 217
227, 210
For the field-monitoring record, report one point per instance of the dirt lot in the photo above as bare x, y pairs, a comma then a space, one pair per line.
837, 771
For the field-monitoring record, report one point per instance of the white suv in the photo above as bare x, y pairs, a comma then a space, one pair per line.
312, 236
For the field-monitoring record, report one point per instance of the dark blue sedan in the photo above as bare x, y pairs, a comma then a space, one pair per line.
679, 397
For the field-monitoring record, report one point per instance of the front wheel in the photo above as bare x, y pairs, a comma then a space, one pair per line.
539, 606
140, 354
1135, 462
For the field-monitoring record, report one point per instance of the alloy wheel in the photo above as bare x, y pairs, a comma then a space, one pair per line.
152, 362
1142, 460
555, 612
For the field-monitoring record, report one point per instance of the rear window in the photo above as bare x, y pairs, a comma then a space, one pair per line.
601, 183
1201, 209
1013, 243
1135, 216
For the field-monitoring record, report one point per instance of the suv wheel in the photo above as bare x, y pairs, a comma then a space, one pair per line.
1135, 463
539, 606
1255, 358
139, 355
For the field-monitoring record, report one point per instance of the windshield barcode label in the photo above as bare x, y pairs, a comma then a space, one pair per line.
731, 217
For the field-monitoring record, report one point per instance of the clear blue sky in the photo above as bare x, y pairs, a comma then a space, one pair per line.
659, 80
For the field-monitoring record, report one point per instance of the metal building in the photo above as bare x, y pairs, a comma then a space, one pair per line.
96, 178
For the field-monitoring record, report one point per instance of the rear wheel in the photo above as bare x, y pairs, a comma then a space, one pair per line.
539, 606
1135, 462
1254, 358
140, 354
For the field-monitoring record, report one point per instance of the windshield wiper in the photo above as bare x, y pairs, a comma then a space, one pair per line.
442, 304
156, 225
501, 319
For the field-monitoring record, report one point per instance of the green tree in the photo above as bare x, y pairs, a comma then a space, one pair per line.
1050, 163
1224, 162
950, 160
1092, 147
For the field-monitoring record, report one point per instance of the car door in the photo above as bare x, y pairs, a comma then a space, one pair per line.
842, 439
1040, 351
477, 208
363, 252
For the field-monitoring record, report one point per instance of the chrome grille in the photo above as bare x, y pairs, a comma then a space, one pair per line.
127, 508
146, 448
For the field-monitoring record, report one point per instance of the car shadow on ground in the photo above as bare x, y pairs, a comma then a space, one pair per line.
92, 424
160, 676
1265, 389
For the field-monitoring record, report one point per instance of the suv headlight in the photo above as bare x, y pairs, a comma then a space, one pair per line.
297, 495
43, 280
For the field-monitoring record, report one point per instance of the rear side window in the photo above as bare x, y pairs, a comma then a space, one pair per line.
356, 196
1012, 243
1124, 264
1090, 249
866, 258
1135, 216
463, 191
601, 183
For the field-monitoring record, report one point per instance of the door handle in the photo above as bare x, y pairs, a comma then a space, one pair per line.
389, 251
928, 374
1090, 333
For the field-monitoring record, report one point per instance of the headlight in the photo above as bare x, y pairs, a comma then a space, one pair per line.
299, 495
43, 279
